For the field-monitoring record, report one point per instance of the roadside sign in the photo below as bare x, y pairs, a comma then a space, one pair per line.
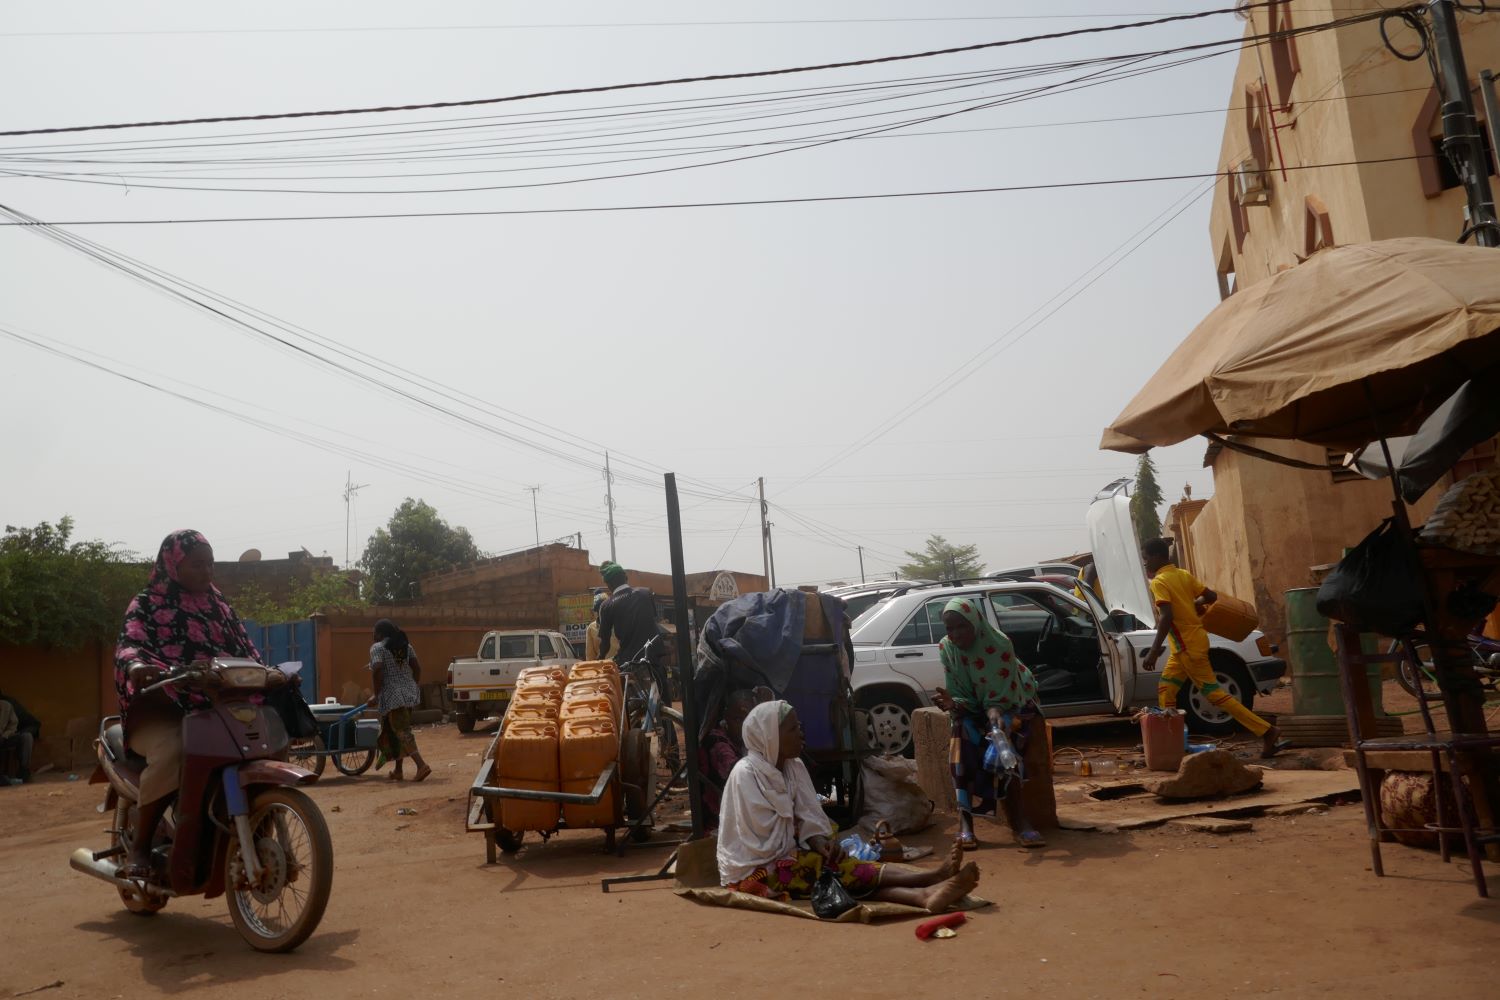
574, 612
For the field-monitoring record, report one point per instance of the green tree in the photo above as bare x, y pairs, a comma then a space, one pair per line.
415, 542
1146, 500
58, 592
940, 560
323, 591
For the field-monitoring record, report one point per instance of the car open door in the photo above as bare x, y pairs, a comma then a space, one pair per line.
1117, 555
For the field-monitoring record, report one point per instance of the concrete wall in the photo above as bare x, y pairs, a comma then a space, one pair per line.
276, 577
1267, 524
68, 690
1371, 201
521, 589
344, 650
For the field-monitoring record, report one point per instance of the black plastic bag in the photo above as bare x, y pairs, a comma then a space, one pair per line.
829, 897
288, 702
1377, 587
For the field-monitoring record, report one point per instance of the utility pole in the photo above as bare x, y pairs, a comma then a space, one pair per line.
536, 525
609, 505
1462, 143
765, 533
350, 488
861, 549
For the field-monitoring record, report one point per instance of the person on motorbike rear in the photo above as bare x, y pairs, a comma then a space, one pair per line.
180, 619
629, 616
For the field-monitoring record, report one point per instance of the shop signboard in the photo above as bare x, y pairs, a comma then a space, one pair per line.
574, 612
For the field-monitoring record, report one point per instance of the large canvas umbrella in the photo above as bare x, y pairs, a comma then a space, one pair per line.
1354, 343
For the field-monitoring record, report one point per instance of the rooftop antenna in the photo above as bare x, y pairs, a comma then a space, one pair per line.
350, 488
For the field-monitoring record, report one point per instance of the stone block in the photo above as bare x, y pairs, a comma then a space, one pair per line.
1212, 774
930, 732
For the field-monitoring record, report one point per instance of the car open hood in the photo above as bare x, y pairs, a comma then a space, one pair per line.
1117, 556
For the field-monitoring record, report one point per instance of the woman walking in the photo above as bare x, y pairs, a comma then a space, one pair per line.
393, 662
986, 685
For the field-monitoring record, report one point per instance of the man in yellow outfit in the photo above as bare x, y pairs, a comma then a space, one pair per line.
1180, 599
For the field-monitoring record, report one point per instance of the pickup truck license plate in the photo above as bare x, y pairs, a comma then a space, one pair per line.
494, 695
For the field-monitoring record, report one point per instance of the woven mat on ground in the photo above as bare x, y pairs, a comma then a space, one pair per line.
698, 880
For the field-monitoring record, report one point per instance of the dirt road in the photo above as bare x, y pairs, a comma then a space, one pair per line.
1288, 908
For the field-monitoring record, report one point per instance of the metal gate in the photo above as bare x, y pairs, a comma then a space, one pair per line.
290, 641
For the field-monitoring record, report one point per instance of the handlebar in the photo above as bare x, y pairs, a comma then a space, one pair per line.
204, 676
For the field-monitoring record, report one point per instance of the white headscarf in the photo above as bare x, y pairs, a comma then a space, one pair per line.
766, 812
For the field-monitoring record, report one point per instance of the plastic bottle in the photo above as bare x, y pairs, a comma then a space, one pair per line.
859, 848
1000, 755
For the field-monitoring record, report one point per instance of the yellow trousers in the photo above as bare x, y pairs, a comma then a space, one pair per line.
1193, 665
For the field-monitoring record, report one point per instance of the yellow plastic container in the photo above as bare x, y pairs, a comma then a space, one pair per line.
531, 713
587, 708
593, 689
588, 746
597, 670
1231, 618
527, 757
539, 682
543, 697
553, 672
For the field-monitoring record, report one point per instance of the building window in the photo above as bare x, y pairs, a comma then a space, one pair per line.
1236, 211
1283, 53
1318, 227
1227, 281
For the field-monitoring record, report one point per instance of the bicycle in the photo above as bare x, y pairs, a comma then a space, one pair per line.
1417, 656
649, 711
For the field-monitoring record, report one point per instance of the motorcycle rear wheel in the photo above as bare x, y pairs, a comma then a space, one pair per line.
296, 854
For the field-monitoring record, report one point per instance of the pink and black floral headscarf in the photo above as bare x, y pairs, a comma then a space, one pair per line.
167, 626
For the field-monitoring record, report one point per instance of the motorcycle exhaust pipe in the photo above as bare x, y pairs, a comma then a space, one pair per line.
82, 860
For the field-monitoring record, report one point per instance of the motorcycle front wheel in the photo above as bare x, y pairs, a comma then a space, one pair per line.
280, 909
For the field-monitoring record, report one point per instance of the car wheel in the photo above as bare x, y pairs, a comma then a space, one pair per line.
1207, 719
465, 720
888, 721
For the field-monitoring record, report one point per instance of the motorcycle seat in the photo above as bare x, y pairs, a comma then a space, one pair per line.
114, 740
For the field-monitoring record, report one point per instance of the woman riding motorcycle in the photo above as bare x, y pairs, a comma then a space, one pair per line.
179, 619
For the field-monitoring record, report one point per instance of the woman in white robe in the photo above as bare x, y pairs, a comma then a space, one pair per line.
774, 838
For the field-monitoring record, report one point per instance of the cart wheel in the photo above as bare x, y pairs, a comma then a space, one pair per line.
354, 762
638, 775
308, 753
509, 840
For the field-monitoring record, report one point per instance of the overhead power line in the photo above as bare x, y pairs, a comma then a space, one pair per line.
709, 78
756, 22
667, 206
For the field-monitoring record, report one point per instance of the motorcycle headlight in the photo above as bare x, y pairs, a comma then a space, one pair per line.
244, 677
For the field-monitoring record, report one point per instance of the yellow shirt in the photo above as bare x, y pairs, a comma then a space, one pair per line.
591, 643
1178, 588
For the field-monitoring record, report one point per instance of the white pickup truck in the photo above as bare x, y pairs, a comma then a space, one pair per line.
481, 686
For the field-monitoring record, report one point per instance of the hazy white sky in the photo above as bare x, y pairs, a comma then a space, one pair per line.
721, 343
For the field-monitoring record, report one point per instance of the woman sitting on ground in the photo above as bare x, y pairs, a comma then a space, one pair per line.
720, 749
985, 684
774, 838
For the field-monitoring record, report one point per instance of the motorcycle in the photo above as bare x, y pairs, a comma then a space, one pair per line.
239, 827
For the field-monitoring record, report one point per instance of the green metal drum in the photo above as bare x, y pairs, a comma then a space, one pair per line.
1315, 670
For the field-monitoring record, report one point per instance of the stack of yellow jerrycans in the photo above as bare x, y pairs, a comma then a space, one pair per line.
526, 755
559, 734
590, 720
